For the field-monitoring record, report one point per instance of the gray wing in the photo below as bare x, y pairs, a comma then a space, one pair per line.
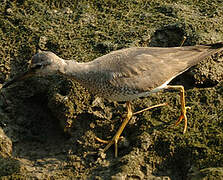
144, 69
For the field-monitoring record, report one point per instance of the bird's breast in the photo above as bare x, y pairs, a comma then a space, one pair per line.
114, 93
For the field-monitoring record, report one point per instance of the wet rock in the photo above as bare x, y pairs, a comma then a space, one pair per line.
119, 176
207, 173
63, 109
209, 72
5, 144
9, 166
155, 148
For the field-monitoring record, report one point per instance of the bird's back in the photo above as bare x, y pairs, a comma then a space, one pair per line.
141, 69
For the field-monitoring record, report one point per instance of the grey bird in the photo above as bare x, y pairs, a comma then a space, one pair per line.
125, 74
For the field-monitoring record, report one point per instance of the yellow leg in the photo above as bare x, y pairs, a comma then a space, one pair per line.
119, 132
151, 107
183, 107
121, 128
182, 42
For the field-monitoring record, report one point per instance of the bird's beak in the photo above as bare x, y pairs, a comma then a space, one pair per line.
18, 78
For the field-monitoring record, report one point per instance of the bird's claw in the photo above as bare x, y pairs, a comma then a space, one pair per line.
101, 140
183, 116
114, 141
187, 107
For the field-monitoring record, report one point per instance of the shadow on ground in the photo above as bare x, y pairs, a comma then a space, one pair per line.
48, 125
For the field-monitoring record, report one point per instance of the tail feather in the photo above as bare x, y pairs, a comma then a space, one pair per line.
208, 50
215, 46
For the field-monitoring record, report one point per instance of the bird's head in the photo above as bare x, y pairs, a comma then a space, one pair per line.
45, 63
41, 64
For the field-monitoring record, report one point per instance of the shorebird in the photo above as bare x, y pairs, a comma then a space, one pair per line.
125, 74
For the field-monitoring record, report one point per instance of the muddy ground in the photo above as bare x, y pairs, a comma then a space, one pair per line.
34, 140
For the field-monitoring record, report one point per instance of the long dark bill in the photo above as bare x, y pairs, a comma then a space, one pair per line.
18, 78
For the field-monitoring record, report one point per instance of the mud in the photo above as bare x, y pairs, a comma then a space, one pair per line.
48, 125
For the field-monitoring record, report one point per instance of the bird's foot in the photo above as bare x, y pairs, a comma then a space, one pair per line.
101, 140
148, 108
109, 143
116, 137
183, 116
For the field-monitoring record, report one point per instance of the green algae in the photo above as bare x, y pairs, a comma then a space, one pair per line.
9, 166
84, 30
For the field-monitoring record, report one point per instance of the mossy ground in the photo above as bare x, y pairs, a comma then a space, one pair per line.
84, 30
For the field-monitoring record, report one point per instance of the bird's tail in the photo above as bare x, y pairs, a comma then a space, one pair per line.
206, 51
215, 46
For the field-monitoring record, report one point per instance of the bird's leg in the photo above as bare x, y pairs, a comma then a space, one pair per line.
183, 107
119, 132
125, 122
182, 42
148, 108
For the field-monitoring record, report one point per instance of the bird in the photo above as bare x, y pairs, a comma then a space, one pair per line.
125, 74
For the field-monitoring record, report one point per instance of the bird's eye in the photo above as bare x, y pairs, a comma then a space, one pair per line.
37, 66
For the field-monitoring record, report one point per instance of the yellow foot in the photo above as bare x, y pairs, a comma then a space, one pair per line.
117, 136
151, 107
119, 132
183, 116
114, 141
183, 107
101, 140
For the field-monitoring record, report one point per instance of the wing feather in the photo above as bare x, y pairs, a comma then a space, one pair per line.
144, 69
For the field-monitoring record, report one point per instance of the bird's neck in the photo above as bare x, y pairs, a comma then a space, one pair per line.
75, 70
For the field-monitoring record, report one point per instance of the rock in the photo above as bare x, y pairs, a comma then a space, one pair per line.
5, 144
207, 173
155, 149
